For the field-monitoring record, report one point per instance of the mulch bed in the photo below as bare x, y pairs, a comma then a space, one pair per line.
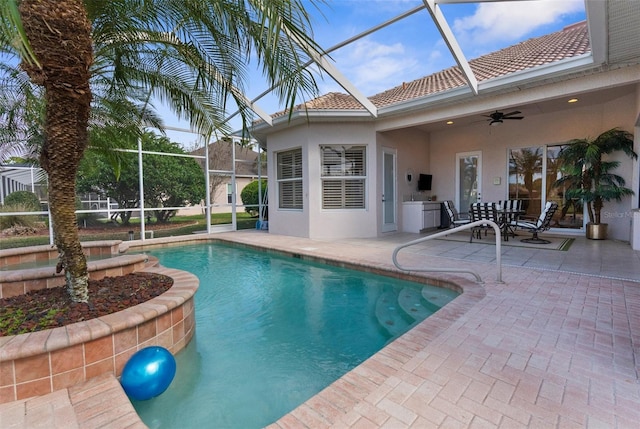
52, 308
97, 229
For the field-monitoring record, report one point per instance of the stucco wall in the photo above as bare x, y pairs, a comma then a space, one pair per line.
288, 222
412, 146
435, 152
534, 130
413, 154
313, 221
342, 223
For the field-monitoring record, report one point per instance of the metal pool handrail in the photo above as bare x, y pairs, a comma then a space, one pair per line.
495, 227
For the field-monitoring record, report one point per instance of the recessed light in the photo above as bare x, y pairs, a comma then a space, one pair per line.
449, 122
572, 100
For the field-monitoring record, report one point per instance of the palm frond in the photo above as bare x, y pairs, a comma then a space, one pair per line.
12, 33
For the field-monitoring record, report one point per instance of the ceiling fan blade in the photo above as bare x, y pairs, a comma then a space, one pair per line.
515, 112
497, 117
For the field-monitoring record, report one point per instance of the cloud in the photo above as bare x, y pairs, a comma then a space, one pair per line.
373, 66
504, 23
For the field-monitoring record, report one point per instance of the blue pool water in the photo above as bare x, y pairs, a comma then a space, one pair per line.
272, 331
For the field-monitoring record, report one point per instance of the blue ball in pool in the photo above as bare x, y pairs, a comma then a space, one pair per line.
148, 373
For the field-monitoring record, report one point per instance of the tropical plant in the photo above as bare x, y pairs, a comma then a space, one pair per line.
169, 181
249, 196
190, 54
588, 177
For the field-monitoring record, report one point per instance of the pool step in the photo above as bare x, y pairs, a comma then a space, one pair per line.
411, 301
397, 311
438, 296
390, 315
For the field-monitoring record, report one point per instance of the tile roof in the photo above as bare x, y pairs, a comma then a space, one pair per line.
571, 41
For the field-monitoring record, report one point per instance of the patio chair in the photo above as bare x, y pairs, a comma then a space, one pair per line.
482, 211
510, 211
454, 217
542, 223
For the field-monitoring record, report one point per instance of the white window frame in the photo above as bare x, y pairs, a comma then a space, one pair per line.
229, 193
289, 178
343, 181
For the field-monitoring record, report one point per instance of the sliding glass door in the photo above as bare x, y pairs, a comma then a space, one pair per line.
533, 172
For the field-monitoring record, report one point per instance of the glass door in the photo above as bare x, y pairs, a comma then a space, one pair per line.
533, 172
389, 190
571, 211
525, 179
468, 179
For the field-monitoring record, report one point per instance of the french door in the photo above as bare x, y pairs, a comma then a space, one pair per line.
468, 179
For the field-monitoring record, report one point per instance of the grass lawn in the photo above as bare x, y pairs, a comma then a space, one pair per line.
101, 230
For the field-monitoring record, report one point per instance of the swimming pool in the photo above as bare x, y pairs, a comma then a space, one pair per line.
272, 331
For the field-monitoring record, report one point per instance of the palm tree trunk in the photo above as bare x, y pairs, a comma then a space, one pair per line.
60, 35
62, 190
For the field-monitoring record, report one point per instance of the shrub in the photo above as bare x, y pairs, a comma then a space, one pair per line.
28, 201
20, 201
249, 196
18, 220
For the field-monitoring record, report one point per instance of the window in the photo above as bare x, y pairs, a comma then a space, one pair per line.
343, 175
229, 193
290, 179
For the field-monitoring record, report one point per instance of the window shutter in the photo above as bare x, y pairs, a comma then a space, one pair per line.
343, 177
354, 194
290, 179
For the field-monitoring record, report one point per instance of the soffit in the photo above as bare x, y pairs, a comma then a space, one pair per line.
476, 114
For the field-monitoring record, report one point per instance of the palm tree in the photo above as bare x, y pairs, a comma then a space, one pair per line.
190, 54
59, 34
588, 177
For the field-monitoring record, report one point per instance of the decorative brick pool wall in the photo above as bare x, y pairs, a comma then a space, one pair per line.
18, 281
42, 362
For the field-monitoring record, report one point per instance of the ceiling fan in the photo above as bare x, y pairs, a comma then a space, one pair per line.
496, 117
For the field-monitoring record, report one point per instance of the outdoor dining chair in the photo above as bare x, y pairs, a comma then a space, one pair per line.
509, 211
482, 211
542, 223
454, 217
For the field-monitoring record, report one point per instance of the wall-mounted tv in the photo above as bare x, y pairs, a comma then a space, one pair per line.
424, 182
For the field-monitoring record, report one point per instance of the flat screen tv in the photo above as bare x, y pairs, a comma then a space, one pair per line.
424, 182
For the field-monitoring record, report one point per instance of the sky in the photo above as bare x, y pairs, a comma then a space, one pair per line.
412, 47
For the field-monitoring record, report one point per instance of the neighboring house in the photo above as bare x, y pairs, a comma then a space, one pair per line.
338, 171
221, 178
